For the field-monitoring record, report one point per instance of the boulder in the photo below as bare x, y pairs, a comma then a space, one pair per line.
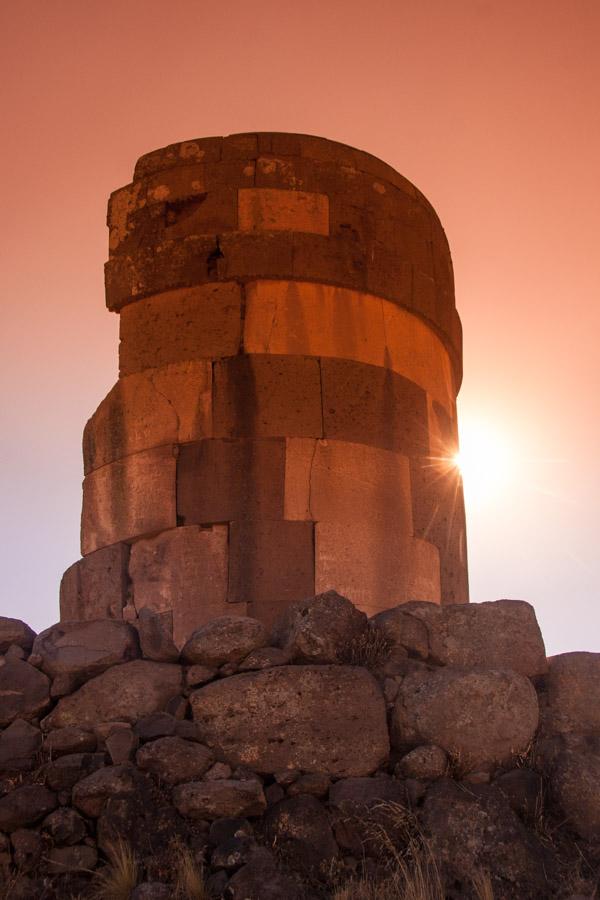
573, 693
575, 785
481, 718
25, 805
126, 692
72, 859
91, 794
217, 799
14, 631
226, 639
69, 740
24, 692
321, 629
19, 745
499, 635
475, 830
300, 828
65, 826
329, 719
174, 759
77, 651
156, 640
425, 763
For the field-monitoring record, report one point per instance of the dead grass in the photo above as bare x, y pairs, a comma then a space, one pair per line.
370, 649
482, 886
190, 877
119, 877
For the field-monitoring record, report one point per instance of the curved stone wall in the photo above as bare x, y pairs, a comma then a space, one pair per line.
290, 356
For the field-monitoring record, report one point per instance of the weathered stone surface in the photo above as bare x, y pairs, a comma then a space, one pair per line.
481, 718
167, 405
320, 629
273, 209
475, 830
70, 739
14, 631
63, 773
81, 650
573, 693
300, 827
264, 658
426, 763
72, 859
95, 587
91, 794
182, 570
174, 760
233, 853
27, 849
126, 692
25, 806
129, 498
523, 788
155, 638
356, 792
19, 746
575, 785
227, 639
121, 745
327, 719
156, 725
404, 630
216, 799
65, 826
262, 878
316, 784
24, 691
202, 322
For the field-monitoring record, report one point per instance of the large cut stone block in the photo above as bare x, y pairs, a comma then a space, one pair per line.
338, 481
172, 404
183, 570
299, 317
174, 326
95, 587
271, 564
373, 566
371, 405
128, 498
272, 209
223, 479
314, 718
267, 396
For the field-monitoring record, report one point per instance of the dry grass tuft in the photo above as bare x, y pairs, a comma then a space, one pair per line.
482, 886
119, 877
190, 877
370, 649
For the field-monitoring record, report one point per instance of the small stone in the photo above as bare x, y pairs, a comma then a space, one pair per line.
476, 778
228, 670
15, 652
216, 799
156, 638
233, 853
177, 706
196, 675
80, 858
25, 806
264, 658
91, 794
14, 631
63, 741
121, 745
285, 777
274, 793
226, 639
218, 771
316, 784
174, 760
65, 826
190, 731
160, 724
390, 689
300, 828
27, 849
19, 745
320, 629
426, 763
225, 829
63, 773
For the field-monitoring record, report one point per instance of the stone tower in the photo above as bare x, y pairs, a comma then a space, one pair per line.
290, 355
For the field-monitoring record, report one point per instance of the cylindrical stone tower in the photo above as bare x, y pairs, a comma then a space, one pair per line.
290, 356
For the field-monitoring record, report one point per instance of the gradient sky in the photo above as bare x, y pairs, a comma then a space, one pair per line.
491, 108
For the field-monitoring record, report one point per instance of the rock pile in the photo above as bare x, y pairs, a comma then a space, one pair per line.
276, 758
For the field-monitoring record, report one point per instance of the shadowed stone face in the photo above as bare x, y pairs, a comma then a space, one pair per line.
290, 356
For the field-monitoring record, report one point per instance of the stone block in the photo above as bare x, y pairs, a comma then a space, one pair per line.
338, 481
95, 587
180, 325
222, 479
267, 396
271, 564
169, 405
183, 570
211, 213
272, 209
129, 498
370, 405
373, 566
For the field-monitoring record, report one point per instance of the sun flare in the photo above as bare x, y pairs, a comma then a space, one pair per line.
486, 459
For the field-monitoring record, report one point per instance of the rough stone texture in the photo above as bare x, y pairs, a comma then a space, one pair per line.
201, 322
182, 570
72, 859
64, 772
313, 718
481, 718
427, 762
228, 639
263, 878
365, 792
25, 806
126, 693
91, 794
575, 784
129, 498
475, 830
95, 587
216, 799
573, 693
70, 739
14, 631
19, 745
300, 828
174, 760
80, 650
24, 692
155, 637
273, 209
320, 629
65, 826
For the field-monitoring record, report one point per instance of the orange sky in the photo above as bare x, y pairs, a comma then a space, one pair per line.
491, 108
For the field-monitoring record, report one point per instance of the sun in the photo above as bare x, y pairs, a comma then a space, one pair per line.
486, 459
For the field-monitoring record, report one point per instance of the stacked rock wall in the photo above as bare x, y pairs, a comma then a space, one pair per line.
290, 357
299, 762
